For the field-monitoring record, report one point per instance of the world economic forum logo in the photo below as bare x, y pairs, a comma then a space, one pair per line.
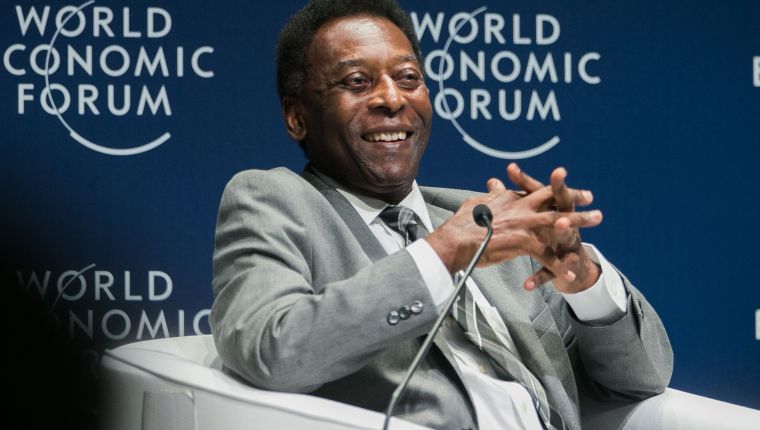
106, 305
498, 72
87, 65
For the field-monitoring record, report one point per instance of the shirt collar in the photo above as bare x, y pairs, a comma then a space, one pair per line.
369, 208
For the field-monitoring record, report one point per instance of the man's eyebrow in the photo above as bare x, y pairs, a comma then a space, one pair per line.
359, 62
350, 63
406, 58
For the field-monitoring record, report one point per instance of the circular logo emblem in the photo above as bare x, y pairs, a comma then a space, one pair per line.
104, 64
498, 70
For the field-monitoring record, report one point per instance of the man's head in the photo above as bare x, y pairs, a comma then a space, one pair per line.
353, 93
298, 33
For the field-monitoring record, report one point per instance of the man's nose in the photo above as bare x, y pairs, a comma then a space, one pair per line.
387, 96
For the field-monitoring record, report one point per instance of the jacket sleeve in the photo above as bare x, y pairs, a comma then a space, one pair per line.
296, 302
628, 359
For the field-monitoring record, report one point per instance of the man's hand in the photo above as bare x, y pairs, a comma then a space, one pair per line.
567, 266
540, 222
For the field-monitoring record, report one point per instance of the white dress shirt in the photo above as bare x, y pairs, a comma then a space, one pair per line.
498, 404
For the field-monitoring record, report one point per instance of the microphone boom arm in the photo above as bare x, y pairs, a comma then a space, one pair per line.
483, 217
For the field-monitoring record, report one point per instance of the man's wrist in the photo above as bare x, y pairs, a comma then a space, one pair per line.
445, 250
606, 301
585, 279
593, 271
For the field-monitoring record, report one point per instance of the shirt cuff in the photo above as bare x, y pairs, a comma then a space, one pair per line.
434, 273
606, 301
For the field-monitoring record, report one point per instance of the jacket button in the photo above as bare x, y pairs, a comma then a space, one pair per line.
393, 317
417, 307
404, 312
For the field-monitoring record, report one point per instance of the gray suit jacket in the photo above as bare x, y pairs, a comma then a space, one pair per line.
302, 290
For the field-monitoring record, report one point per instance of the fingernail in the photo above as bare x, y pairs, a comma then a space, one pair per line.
570, 276
596, 215
530, 285
586, 195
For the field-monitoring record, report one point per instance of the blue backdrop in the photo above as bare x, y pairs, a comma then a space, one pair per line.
110, 191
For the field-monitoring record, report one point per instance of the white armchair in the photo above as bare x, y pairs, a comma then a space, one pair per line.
178, 384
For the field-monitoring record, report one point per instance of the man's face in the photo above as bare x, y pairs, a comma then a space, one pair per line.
365, 108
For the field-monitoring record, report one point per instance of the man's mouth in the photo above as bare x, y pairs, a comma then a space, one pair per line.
386, 136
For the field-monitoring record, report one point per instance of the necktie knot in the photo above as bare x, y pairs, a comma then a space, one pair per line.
401, 220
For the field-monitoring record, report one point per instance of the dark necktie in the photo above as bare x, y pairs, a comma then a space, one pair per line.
401, 220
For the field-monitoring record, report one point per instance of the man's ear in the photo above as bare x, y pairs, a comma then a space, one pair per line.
292, 109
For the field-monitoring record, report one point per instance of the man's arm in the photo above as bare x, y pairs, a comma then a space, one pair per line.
296, 301
627, 358
630, 359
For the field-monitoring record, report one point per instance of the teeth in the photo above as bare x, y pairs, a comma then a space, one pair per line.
387, 137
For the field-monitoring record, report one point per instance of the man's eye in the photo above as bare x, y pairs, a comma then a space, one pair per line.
356, 82
410, 79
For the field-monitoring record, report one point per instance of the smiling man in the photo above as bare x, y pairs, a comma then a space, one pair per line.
325, 281
364, 115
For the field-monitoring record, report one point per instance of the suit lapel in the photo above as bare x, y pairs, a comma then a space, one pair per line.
348, 214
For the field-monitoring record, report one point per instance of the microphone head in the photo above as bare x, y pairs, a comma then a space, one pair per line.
482, 215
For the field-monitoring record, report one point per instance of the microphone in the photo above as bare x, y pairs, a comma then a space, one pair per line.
483, 217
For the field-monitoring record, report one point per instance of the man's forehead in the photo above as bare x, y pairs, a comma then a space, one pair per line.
338, 41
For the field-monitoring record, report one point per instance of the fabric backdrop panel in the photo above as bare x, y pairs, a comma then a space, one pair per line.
124, 121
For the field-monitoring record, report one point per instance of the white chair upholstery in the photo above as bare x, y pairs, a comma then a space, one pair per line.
177, 383
671, 410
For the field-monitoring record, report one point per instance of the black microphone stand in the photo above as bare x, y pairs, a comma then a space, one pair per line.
483, 217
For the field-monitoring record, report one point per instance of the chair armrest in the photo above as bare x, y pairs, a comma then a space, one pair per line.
671, 410
177, 383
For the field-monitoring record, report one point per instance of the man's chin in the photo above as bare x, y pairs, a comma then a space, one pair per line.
388, 184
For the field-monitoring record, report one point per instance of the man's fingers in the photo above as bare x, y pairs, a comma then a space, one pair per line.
557, 268
541, 277
562, 195
495, 185
553, 267
539, 199
566, 198
565, 233
568, 220
582, 197
504, 196
544, 199
522, 179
